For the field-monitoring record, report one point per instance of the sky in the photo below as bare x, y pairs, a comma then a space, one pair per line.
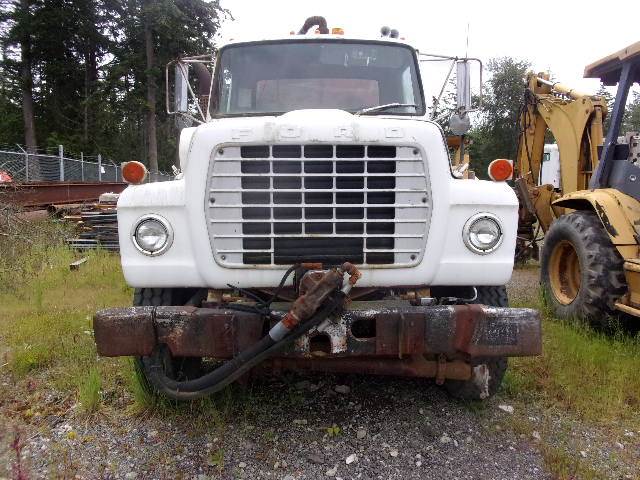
560, 36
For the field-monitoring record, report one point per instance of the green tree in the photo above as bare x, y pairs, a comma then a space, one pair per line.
631, 119
16, 33
496, 133
441, 112
632, 115
89, 73
153, 33
609, 99
11, 124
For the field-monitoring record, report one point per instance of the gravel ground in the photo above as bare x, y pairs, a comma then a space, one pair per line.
291, 427
524, 284
303, 429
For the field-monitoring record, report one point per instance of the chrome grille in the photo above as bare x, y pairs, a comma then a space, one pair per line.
272, 205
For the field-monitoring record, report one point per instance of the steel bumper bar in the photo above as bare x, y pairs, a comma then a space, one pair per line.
365, 329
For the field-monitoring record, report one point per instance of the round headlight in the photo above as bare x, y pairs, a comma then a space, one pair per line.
152, 235
482, 233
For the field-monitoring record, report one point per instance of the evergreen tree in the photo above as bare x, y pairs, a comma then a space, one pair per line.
632, 115
89, 73
609, 99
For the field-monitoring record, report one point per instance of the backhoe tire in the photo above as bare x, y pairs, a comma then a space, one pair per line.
581, 271
479, 386
179, 368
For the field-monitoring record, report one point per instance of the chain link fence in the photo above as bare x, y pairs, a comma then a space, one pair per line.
37, 167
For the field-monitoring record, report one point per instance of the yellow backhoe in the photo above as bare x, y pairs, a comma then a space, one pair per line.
590, 265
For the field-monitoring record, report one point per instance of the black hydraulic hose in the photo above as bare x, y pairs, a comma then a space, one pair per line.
236, 367
262, 307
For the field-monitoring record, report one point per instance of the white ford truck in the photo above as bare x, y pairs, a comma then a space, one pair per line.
315, 225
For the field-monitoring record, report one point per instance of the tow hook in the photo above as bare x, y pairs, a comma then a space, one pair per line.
343, 278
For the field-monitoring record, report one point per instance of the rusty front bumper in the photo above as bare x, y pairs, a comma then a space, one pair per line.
367, 332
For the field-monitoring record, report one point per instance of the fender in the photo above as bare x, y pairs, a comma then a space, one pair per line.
619, 214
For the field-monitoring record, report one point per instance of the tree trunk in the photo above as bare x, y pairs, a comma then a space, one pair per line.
152, 140
85, 109
90, 78
90, 31
27, 85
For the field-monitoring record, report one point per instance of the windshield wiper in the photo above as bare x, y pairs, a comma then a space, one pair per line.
380, 108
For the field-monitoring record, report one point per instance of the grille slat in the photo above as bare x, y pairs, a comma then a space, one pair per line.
394, 190
328, 245
282, 204
278, 234
335, 220
307, 173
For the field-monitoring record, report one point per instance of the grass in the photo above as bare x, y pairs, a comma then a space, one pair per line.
584, 376
567, 465
25, 247
46, 322
89, 391
216, 459
46, 337
590, 373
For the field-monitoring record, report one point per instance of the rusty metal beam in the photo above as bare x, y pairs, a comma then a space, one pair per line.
415, 366
399, 331
43, 194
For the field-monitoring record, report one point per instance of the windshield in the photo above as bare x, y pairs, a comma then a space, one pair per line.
277, 77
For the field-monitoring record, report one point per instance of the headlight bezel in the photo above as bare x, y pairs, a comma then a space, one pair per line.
165, 225
466, 233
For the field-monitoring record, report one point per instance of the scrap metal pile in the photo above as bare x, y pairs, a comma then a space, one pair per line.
97, 225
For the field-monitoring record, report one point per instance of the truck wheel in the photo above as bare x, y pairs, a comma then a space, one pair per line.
179, 368
581, 271
488, 372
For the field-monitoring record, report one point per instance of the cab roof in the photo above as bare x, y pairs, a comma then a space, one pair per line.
608, 69
316, 37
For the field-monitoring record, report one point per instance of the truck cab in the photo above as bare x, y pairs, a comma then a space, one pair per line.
312, 152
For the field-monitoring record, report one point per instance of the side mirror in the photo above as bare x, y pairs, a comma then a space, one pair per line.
463, 85
185, 103
460, 123
181, 89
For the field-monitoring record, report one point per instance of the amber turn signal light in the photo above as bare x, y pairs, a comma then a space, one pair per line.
134, 172
500, 170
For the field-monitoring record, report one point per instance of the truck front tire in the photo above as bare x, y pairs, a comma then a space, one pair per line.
488, 372
179, 368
